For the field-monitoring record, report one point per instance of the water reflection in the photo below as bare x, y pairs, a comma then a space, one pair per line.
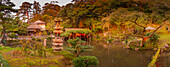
117, 56
164, 60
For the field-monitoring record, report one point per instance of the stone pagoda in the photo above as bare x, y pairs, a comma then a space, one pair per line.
58, 42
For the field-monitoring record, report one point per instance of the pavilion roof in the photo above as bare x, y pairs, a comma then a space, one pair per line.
31, 30
39, 22
34, 26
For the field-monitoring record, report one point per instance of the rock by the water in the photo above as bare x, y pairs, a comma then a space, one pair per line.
136, 49
127, 46
166, 46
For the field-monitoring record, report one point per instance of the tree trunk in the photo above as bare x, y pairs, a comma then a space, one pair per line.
28, 17
108, 27
3, 36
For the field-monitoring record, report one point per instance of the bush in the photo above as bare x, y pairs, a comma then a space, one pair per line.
49, 38
33, 38
154, 39
0, 35
40, 49
84, 61
75, 41
12, 35
36, 39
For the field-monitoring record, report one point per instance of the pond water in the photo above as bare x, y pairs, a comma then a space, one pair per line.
117, 56
164, 60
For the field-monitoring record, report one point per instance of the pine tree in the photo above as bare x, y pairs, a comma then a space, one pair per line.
5, 9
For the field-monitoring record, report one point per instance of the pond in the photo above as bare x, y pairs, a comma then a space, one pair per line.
117, 56
164, 60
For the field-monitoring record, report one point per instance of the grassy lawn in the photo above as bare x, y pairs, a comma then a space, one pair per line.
165, 38
32, 61
164, 35
19, 60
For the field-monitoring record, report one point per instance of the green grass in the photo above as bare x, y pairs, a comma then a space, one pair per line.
67, 55
164, 34
27, 61
5, 62
33, 61
165, 38
6, 49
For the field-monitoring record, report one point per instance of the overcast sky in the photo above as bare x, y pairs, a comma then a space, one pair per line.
42, 2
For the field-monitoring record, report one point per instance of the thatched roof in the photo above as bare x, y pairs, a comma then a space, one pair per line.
34, 26
31, 30
39, 22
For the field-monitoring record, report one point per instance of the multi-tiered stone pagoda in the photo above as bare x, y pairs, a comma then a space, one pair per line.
58, 42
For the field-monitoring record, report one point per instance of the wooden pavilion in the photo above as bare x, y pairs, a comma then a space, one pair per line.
36, 28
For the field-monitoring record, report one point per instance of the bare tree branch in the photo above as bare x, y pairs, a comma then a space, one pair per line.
158, 27
134, 34
136, 22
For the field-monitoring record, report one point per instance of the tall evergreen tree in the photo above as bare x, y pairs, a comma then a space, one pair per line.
25, 10
51, 9
5, 9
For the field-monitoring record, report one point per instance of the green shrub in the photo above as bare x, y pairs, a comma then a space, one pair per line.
49, 38
33, 38
154, 39
38, 39
84, 61
97, 36
0, 35
12, 35
40, 49
75, 41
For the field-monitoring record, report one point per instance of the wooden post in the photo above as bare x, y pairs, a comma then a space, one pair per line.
45, 43
1, 64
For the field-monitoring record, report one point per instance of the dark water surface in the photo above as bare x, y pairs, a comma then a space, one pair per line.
164, 60
117, 56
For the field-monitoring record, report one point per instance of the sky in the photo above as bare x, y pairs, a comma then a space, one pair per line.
42, 2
